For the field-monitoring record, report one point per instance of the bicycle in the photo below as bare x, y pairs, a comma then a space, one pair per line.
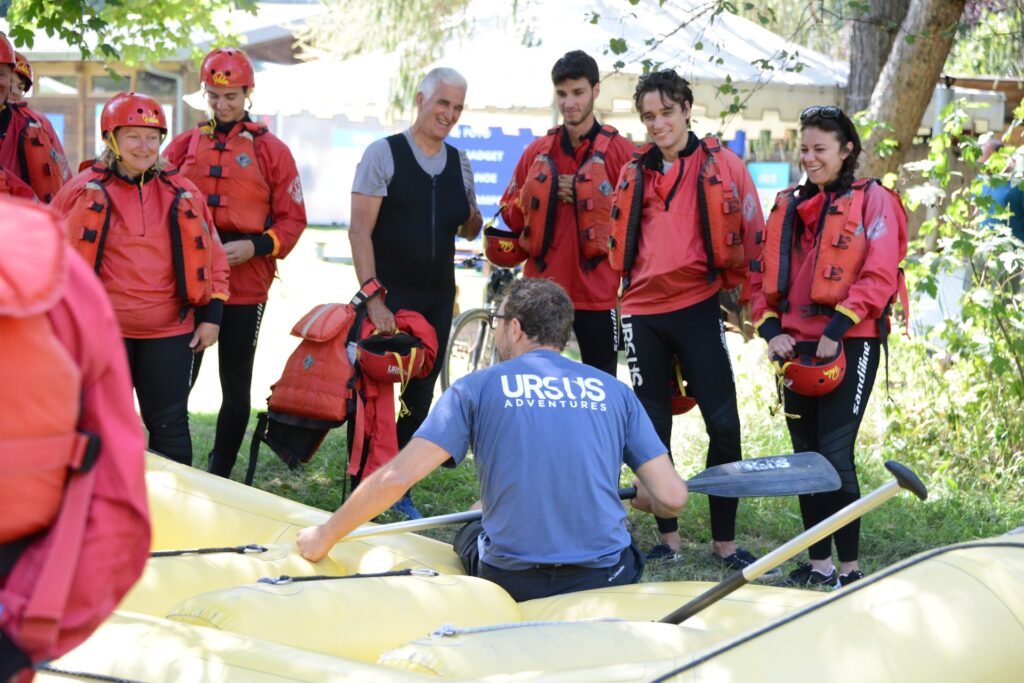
471, 342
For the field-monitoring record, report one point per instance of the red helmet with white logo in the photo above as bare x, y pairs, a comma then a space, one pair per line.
227, 67
23, 69
7, 54
808, 375
501, 248
132, 109
395, 358
681, 402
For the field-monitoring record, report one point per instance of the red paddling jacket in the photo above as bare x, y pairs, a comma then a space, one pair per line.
590, 283
670, 269
842, 249
253, 189
30, 148
139, 259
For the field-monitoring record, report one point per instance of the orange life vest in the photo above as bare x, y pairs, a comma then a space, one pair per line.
842, 247
719, 204
538, 200
40, 445
316, 382
191, 241
228, 173
593, 190
41, 164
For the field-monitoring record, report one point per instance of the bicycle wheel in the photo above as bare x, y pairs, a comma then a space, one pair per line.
470, 346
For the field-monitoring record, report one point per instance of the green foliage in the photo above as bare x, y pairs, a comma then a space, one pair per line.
991, 41
417, 29
130, 31
969, 369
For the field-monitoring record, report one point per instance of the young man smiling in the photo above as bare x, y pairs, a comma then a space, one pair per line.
587, 157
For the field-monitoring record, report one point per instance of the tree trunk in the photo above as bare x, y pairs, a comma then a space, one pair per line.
908, 79
871, 42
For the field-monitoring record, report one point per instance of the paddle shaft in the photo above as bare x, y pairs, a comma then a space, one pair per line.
904, 478
411, 525
775, 475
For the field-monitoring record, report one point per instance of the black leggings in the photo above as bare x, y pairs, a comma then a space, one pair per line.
162, 372
597, 333
696, 336
829, 424
236, 349
436, 307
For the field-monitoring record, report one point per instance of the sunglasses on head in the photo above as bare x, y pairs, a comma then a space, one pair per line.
821, 111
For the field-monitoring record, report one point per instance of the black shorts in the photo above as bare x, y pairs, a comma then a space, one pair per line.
544, 580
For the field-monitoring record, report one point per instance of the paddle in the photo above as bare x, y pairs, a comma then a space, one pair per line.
904, 478
774, 475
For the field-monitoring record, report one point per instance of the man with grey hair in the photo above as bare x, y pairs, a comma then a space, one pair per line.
549, 438
412, 194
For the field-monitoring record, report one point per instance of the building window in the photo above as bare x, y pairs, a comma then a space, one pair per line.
160, 87
55, 85
109, 85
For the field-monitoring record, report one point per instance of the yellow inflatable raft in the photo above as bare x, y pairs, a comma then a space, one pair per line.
398, 608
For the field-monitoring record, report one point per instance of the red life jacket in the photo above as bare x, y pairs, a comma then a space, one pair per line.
721, 212
41, 165
191, 242
316, 391
375, 438
40, 444
538, 200
317, 379
842, 246
593, 190
78, 505
228, 173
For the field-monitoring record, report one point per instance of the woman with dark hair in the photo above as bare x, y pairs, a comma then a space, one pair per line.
829, 268
684, 222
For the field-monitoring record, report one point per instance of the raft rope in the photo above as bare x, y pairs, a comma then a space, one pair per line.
285, 579
84, 674
448, 631
239, 549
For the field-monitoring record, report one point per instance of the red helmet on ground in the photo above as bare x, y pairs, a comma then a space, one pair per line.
808, 375
132, 109
23, 69
227, 67
395, 358
501, 248
7, 54
681, 402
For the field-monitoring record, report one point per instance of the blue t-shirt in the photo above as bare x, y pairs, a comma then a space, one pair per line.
549, 437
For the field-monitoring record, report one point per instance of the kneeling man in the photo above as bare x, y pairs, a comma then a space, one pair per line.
549, 437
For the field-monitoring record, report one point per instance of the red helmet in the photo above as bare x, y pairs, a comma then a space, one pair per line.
681, 402
808, 375
7, 54
395, 358
132, 109
23, 69
227, 67
501, 248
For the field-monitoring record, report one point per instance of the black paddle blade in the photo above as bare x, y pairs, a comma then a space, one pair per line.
774, 475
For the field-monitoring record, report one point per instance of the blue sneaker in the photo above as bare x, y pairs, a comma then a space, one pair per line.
405, 506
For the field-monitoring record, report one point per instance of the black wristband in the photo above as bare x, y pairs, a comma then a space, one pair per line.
212, 312
770, 328
838, 326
